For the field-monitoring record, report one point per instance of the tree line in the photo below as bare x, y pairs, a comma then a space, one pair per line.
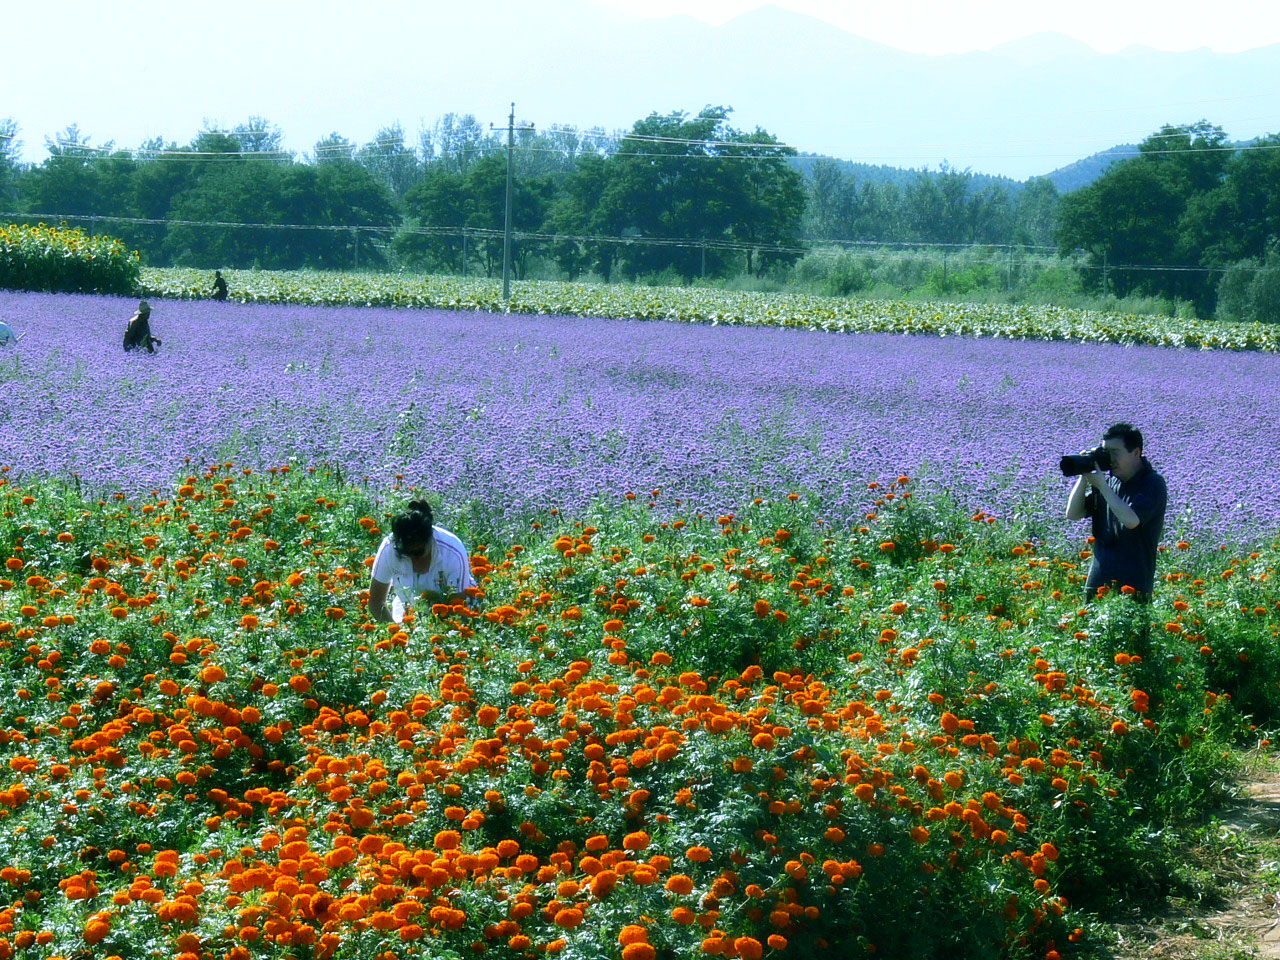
679, 196
684, 194
1191, 217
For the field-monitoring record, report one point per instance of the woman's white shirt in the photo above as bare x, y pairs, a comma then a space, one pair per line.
448, 575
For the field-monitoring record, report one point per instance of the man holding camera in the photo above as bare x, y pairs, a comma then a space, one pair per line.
1126, 508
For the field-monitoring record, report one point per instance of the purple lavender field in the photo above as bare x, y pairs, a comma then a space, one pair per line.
524, 413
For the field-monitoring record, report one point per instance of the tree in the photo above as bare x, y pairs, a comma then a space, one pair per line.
485, 186
10, 150
259, 135
1191, 156
276, 195
989, 215
1036, 212
70, 181
1130, 221
1128, 216
390, 162
438, 201
577, 211
1240, 217
455, 143
826, 210
769, 198
925, 209
334, 148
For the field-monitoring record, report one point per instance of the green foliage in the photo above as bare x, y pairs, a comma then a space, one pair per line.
66, 260
857, 202
1187, 201
1250, 290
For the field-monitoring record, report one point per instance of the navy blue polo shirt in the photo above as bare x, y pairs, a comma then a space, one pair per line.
1127, 557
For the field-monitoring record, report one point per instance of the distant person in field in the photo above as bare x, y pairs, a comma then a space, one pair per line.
137, 335
417, 559
219, 286
1126, 510
7, 336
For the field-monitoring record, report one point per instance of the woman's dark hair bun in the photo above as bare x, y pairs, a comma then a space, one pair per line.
414, 525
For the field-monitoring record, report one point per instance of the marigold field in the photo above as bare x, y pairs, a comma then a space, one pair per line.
649, 733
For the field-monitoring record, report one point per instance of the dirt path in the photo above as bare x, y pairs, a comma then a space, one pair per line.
1256, 913
1242, 921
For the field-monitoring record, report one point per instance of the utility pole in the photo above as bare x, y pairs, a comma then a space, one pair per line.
506, 229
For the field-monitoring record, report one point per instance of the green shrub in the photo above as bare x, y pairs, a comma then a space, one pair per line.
1250, 290
66, 260
840, 275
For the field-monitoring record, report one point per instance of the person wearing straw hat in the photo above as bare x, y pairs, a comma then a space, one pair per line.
7, 336
138, 334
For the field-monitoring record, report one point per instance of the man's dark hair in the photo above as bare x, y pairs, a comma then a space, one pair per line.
412, 527
1127, 432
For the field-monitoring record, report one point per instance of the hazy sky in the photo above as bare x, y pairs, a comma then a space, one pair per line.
130, 71
957, 26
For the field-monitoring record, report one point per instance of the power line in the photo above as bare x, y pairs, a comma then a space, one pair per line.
709, 243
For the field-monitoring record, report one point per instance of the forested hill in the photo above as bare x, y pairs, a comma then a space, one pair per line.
877, 174
1083, 172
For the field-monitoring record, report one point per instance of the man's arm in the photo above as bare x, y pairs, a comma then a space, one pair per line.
1076, 509
1124, 513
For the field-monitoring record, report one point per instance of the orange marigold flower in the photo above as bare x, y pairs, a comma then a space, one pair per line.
635, 841
680, 883
447, 840
633, 933
698, 854
568, 918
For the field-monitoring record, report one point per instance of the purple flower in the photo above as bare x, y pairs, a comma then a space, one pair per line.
520, 413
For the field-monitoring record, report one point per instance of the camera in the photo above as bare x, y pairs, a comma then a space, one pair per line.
1073, 465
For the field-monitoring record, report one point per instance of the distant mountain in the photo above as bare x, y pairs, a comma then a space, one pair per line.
1017, 110
901, 176
1039, 48
1083, 172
